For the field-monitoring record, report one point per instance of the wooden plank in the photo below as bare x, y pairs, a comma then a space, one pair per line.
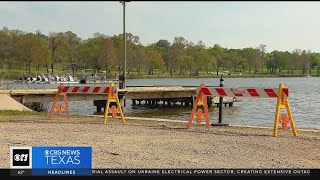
42, 95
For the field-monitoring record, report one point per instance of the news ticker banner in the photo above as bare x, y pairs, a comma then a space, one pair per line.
162, 172
51, 161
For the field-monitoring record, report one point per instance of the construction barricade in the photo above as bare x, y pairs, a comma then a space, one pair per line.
280, 93
111, 92
60, 107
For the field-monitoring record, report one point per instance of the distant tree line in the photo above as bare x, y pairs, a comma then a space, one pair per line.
66, 51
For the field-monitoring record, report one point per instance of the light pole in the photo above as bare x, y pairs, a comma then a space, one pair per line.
123, 79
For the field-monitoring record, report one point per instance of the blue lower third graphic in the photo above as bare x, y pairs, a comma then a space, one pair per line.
61, 161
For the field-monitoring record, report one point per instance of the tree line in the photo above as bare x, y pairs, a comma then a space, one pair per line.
68, 52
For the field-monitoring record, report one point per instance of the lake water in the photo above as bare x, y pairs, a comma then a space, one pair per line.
304, 98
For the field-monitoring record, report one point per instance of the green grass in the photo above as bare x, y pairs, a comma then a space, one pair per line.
18, 113
15, 73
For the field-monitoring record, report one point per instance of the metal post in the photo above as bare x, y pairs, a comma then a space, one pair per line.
123, 65
220, 102
125, 45
122, 83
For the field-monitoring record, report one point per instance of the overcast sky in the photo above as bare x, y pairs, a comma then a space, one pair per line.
279, 25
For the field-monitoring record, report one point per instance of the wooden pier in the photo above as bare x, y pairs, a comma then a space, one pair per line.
153, 96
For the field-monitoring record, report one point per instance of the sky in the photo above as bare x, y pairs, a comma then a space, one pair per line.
283, 26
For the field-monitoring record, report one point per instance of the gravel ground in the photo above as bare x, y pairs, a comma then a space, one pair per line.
152, 144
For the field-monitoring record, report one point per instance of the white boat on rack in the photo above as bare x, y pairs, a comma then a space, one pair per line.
67, 79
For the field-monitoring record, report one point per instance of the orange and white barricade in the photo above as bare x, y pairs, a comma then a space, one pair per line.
280, 93
201, 100
111, 92
60, 107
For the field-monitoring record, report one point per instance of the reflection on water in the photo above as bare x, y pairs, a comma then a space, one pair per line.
303, 96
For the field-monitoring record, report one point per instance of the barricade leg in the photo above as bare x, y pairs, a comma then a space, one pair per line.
66, 105
206, 112
120, 109
293, 127
106, 110
54, 104
194, 109
276, 119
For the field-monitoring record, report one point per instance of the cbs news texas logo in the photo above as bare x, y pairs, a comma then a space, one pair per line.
50, 157
20, 157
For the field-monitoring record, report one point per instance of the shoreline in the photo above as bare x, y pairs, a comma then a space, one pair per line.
163, 144
203, 123
7, 117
